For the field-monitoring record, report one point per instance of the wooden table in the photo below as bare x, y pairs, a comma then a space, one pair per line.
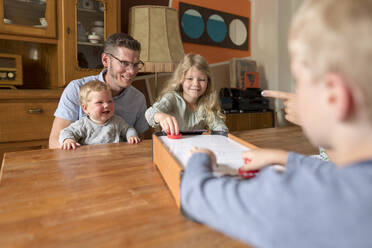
105, 196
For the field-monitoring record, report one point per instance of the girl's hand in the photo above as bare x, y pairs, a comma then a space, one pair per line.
207, 151
289, 101
167, 122
69, 144
134, 140
260, 158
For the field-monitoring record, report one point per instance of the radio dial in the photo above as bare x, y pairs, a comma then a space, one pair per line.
11, 75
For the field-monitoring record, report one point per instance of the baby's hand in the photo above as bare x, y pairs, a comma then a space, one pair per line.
69, 144
134, 140
207, 151
260, 158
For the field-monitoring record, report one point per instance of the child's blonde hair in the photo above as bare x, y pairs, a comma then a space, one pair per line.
208, 103
336, 36
91, 86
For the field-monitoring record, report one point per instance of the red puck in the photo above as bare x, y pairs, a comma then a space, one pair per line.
245, 174
174, 136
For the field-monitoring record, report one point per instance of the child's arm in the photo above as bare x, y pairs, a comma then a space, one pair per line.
68, 136
260, 158
157, 115
167, 122
206, 151
130, 133
69, 144
218, 124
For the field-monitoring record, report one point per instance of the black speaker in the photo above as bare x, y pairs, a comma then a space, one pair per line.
248, 100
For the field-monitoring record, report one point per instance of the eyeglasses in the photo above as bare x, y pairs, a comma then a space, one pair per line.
136, 66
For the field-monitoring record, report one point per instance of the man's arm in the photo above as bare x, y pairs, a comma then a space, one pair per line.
58, 125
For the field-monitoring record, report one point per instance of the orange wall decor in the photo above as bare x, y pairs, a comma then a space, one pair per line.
218, 54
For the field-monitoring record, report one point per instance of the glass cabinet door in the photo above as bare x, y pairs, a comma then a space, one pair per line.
86, 24
90, 33
28, 17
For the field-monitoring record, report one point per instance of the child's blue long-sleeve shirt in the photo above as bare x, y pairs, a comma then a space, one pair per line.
312, 204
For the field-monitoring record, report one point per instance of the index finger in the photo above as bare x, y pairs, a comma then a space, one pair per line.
277, 94
175, 126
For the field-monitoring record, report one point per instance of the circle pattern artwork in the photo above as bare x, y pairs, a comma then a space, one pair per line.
212, 27
237, 32
192, 24
216, 28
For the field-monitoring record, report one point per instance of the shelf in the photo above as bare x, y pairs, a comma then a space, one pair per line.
84, 43
28, 39
90, 10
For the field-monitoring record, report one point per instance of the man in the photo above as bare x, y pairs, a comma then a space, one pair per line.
121, 61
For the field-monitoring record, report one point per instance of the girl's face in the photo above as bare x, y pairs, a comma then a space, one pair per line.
100, 106
194, 85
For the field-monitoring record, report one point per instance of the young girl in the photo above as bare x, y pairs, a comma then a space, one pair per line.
189, 101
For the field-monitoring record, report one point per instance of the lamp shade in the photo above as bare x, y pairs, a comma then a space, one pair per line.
157, 29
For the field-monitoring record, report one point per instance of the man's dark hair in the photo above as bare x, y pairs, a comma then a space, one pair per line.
121, 40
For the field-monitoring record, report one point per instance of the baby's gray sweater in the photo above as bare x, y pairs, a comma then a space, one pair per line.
87, 132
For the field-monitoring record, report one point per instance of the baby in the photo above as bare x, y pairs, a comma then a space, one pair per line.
100, 125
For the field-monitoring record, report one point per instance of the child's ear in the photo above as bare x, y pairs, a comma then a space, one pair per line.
85, 108
339, 97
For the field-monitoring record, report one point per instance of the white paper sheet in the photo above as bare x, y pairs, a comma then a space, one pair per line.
228, 152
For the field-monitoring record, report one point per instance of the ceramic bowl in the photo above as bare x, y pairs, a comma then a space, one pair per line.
43, 22
98, 30
94, 38
7, 21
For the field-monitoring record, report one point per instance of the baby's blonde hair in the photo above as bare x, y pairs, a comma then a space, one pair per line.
336, 36
91, 86
208, 104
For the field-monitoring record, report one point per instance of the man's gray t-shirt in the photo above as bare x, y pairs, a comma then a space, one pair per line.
313, 203
130, 104
87, 132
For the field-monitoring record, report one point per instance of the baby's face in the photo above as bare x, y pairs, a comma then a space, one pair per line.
100, 106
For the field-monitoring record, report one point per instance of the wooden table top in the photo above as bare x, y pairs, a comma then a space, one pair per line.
105, 196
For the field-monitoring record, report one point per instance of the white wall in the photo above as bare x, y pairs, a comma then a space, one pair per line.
269, 31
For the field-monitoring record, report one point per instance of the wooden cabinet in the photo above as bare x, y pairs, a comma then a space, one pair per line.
51, 36
30, 18
52, 59
84, 24
26, 118
247, 121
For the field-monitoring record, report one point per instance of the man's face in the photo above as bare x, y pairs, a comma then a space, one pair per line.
120, 76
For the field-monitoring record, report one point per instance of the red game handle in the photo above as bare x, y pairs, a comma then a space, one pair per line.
245, 174
174, 136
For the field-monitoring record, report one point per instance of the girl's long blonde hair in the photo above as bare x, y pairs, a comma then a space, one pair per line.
208, 103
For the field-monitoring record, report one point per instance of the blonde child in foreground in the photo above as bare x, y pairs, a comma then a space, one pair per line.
100, 125
314, 203
189, 101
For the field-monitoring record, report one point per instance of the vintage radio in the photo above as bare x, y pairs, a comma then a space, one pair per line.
10, 70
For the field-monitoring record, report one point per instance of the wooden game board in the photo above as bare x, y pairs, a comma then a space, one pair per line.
170, 156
